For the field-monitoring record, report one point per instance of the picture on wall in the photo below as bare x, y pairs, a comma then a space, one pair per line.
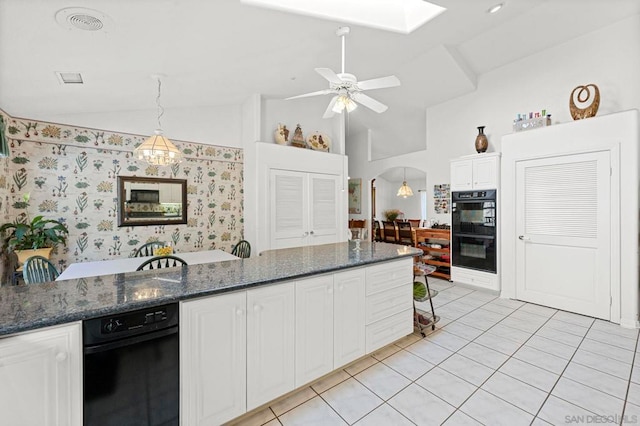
355, 196
441, 198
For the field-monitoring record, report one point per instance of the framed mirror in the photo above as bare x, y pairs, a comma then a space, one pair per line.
146, 201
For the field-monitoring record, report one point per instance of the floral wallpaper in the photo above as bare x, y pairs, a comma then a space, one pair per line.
70, 174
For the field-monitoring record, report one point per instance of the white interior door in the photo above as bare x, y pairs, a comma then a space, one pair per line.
563, 225
288, 210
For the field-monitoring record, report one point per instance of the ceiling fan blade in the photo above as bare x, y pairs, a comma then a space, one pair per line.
379, 83
329, 111
319, 92
329, 75
369, 102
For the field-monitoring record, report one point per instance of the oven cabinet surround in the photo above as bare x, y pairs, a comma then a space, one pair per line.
244, 349
558, 275
301, 197
481, 279
41, 377
477, 171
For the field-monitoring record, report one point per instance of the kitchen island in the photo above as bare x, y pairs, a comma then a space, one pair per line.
300, 312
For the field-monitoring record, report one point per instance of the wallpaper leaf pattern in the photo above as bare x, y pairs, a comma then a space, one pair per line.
71, 175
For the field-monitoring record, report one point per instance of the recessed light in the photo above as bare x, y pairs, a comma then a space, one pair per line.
69, 77
495, 8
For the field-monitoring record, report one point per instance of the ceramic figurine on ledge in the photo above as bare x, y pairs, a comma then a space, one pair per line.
298, 138
282, 135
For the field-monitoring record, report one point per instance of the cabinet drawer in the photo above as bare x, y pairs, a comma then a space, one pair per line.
389, 275
433, 234
475, 278
385, 304
388, 330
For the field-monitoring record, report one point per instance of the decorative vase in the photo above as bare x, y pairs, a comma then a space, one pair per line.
481, 140
282, 134
23, 255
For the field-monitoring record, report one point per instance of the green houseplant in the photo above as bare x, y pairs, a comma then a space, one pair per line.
33, 237
391, 214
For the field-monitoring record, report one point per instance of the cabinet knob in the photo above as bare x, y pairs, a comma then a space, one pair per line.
305, 234
239, 312
61, 356
340, 287
257, 308
311, 232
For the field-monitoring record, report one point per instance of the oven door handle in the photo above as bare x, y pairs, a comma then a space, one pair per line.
128, 341
524, 238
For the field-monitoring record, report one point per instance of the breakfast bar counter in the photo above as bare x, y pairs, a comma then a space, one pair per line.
35, 306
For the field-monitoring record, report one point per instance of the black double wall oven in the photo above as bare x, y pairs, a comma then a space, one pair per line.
473, 230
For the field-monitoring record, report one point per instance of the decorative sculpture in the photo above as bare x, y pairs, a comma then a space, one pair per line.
583, 96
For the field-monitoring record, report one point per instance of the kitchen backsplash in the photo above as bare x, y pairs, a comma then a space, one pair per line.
71, 175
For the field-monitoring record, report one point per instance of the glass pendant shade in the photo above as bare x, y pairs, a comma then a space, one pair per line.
158, 151
344, 101
405, 190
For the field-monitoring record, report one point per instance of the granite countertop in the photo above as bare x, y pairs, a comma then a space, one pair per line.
33, 306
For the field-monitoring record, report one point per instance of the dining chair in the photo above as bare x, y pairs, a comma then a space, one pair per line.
159, 262
148, 248
415, 222
389, 234
405, 233
38, 269
242, 249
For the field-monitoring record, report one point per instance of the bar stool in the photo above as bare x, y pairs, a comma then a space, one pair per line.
422, 293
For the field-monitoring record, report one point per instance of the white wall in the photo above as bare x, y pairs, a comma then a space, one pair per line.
608, 58
209, 125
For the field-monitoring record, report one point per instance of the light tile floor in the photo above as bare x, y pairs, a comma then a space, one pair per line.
490, 361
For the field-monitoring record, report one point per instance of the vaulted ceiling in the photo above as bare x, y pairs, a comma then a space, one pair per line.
220, 52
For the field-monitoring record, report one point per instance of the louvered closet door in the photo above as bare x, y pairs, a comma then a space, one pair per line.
323, 214
563, 226
288, 210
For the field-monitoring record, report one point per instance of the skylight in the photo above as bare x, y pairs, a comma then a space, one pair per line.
402, 16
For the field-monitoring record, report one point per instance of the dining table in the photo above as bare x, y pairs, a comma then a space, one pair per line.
130, 264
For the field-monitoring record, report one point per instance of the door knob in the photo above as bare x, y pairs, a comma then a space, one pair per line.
311, 232
523, 238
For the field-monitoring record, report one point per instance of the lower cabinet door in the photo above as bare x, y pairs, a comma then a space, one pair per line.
314, 328
213, 359
270, 337
349, 314
41, 377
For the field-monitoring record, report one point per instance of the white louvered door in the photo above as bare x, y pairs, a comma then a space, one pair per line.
563, 227
323, 213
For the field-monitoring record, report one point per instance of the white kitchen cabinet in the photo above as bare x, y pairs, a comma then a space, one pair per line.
41, 377
303, 208
314, 328
213, 340
270, 343
480, 171
348, 312
486, 280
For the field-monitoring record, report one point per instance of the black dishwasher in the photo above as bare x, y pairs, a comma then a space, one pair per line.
131, 368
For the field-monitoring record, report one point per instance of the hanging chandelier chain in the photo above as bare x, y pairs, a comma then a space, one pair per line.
160, 109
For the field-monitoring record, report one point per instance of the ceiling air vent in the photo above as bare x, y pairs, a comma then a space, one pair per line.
80, 18
70, 77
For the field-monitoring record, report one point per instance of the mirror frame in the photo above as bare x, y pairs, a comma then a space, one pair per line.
123, 221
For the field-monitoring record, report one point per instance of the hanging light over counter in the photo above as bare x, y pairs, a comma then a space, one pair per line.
157, 150
405, 190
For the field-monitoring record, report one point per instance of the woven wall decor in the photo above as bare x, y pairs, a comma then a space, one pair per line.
584, 95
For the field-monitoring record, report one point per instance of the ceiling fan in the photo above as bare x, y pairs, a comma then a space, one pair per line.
347, 89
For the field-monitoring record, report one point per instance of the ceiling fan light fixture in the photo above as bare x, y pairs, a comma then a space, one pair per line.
344, 102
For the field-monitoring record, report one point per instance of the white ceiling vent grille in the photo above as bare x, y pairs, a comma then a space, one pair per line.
69, 77
80, 18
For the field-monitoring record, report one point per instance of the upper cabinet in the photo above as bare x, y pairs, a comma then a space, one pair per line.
476, 172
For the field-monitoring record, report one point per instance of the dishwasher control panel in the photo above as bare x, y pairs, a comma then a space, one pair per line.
130, 323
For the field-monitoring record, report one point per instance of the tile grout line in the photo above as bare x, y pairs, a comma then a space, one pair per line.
626, 395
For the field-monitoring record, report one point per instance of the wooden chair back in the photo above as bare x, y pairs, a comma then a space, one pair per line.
38, 269
415, 222
405, 233
242, 249
389, 234
159, 262
377, 231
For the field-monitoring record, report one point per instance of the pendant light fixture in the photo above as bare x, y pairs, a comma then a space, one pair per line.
405, 191
158, 150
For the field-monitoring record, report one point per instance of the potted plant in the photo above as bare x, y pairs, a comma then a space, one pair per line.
391, 214
36, 237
